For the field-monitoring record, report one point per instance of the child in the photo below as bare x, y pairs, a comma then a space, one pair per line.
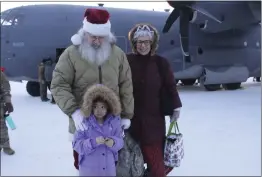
98, 146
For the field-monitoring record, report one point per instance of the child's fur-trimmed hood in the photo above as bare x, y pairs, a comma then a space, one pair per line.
100, 91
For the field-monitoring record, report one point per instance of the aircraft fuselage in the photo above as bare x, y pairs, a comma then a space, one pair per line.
41, 29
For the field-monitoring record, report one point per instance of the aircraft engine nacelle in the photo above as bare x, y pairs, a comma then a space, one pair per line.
200, 20
255, 7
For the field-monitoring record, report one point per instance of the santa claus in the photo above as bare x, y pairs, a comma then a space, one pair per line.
95, 38
92, 59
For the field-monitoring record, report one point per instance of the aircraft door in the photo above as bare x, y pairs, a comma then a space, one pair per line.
121, 42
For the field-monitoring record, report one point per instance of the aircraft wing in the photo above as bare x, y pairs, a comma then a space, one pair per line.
206, 13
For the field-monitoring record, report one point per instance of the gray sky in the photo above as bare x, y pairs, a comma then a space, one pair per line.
158, 6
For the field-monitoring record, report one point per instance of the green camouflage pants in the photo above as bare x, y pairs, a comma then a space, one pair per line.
4, 137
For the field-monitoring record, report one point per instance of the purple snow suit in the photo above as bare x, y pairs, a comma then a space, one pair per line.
98, 160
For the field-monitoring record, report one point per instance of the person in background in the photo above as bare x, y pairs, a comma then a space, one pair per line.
98, 146
49, 67
148, 124
42, 81
93, 58
6, 107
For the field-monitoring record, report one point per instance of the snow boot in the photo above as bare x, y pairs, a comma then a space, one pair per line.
45, 99
146, 173
8, 151
53, 100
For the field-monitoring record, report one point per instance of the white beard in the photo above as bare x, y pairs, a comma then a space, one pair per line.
97, 56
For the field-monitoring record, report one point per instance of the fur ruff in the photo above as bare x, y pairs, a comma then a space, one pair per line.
105, 93
97, 29
156, 38
77, 38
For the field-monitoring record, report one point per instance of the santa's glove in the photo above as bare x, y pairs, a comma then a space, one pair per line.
125, 123
78, 119
176, 115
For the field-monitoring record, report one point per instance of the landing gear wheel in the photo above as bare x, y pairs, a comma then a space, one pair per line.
33, 88
258, 79
188, 82
232, 86
212, 87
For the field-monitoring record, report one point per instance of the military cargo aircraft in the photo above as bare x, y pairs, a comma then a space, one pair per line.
216, 43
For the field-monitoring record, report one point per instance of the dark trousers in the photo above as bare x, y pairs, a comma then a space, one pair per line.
49, 85
76, 159
43, 90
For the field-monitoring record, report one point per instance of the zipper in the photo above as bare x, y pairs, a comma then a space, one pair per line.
100, 74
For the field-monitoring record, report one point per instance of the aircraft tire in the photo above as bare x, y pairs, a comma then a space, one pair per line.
33, 88
258, 79
212, 87
188, 82
232, 86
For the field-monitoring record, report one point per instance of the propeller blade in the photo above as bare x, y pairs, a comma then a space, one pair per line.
176, 4
184, 31
170, 20
206, 13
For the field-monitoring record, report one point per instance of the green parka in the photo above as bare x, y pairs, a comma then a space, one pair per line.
73, 75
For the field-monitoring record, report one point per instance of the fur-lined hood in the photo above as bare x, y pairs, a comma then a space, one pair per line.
77, 38
154, 45
103, 92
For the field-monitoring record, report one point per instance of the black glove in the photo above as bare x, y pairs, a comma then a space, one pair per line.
8, 107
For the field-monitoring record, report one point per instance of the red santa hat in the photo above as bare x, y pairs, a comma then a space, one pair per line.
96, 22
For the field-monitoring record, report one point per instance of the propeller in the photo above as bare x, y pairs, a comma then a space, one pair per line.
185, 11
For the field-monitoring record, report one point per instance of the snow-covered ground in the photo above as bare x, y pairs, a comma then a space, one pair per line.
222, 135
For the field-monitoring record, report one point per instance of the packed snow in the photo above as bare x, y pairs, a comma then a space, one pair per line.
222, 134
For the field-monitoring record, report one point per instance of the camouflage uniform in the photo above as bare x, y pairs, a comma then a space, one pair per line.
5, 99
42, 82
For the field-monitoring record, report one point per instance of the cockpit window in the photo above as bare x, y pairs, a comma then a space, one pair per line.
9, 18
12, 21
5, 23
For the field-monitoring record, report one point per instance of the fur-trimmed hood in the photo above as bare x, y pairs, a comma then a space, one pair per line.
154, 45
106, 94
77, 38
